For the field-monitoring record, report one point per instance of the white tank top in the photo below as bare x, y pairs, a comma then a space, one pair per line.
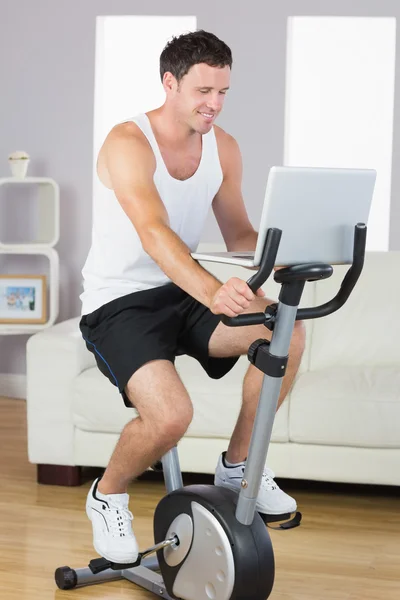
117, 264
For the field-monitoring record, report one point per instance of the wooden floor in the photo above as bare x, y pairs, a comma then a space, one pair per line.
347, 548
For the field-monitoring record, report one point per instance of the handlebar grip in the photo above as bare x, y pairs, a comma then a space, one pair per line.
268, 259
248, 319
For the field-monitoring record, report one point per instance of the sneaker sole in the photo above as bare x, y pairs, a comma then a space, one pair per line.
118, 560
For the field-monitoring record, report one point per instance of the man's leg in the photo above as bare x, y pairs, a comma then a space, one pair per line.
231, 341
165, 412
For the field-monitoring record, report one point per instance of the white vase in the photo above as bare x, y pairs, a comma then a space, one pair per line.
19, 167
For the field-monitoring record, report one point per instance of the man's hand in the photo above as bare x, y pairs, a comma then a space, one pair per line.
233, 298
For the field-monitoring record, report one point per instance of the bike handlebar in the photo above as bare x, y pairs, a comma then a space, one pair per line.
267, 265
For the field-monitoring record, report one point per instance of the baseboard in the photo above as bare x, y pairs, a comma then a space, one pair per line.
12, 385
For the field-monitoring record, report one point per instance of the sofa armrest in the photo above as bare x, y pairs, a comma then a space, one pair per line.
55, 356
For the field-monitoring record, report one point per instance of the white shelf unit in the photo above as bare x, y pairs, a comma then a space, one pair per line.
46, 237
48, 231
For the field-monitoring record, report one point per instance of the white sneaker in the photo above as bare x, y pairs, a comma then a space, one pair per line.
113, 537
271, 499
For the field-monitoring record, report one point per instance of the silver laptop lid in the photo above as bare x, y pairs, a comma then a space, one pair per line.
317, 210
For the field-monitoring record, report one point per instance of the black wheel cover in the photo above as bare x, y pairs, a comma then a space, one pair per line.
251, 544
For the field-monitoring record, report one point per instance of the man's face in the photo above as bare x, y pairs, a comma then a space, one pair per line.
199, 98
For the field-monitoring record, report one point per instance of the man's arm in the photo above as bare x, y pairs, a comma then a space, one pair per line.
131, 166
228, 205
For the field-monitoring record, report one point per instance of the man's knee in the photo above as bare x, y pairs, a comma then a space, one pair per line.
168, 419
174, 426
162, 401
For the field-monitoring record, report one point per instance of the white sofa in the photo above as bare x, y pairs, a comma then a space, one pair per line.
339, 423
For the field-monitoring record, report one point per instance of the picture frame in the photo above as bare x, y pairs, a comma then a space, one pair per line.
23, 299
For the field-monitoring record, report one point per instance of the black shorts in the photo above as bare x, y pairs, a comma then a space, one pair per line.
159, 323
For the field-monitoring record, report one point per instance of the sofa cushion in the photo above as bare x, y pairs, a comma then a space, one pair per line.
97, 405
366, 330
347, 406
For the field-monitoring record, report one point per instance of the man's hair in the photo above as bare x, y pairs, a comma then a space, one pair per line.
181, 53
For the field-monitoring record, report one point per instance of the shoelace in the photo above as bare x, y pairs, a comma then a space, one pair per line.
119, 520
267, 479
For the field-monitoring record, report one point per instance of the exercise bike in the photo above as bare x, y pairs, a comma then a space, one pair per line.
210, 542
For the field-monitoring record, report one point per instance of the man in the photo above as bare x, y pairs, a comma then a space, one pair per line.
146, 300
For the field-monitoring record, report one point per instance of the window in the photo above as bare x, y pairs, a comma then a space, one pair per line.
339, 102
127, 79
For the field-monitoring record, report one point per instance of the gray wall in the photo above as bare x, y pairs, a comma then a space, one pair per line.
47, 59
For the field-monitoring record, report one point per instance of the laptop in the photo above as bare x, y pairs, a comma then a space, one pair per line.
316, 209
